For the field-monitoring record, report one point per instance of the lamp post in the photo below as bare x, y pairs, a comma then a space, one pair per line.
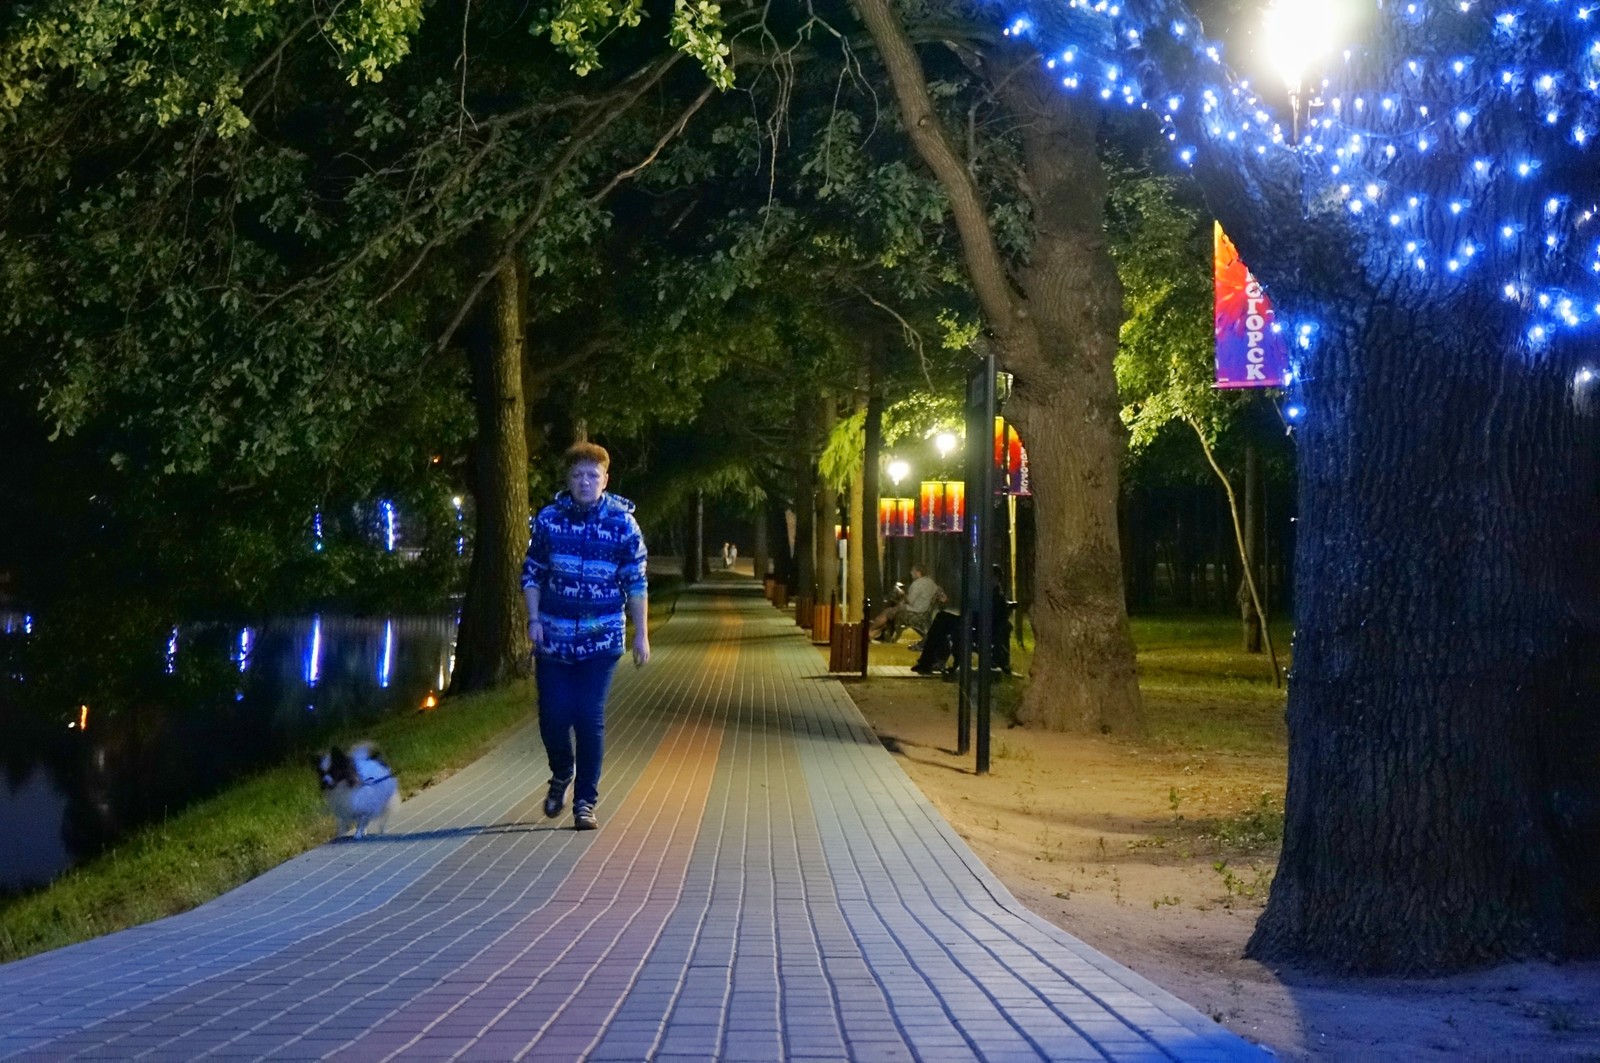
896, 528
945, 442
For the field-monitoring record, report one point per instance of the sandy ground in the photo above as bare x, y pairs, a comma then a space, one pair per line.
1120, 845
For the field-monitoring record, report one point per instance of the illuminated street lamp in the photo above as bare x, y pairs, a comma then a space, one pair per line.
897, 517
945, 442
1295, 34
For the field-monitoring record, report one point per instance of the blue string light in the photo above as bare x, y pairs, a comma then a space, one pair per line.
1505, 98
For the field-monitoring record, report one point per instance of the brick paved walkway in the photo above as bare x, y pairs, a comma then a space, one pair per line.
767, 885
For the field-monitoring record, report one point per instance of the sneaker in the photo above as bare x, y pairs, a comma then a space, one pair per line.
583, 818
922, 669
915, 647
556, 800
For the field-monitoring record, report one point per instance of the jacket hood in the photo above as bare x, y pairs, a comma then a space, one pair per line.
609, 503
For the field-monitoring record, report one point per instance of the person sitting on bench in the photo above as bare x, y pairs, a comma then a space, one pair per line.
914, 611
940, 644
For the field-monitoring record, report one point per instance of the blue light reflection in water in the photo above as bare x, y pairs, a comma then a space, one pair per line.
314, 653
246, 639
386, 662
234, 703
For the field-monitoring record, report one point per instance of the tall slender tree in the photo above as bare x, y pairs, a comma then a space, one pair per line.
1052, 310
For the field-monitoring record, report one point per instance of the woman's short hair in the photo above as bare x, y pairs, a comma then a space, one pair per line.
579, 453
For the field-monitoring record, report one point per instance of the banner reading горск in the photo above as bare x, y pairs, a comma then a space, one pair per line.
1250, 354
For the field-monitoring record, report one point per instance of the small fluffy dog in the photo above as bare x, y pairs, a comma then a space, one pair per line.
358, 788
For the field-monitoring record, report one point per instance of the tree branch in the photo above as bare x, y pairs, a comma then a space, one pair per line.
665, 139
1002, 304
1244, 552
912, 336
508, 246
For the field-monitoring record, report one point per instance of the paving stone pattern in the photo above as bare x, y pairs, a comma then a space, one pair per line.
766, 885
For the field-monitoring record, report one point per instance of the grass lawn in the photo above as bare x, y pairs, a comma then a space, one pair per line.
1202, 690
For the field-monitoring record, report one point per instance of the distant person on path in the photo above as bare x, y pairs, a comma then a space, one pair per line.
584, 576
915, 610
727, 559
733, 554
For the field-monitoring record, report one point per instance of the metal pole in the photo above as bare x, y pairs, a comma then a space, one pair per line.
984, 467
977, 598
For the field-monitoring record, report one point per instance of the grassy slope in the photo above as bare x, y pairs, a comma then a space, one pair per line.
226, 840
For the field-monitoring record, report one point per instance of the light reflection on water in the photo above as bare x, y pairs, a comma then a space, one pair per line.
270, 690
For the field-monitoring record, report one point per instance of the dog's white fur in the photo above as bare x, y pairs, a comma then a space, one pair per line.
358, 788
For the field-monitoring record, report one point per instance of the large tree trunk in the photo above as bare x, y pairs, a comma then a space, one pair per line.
1443, 807
1066, 408
1083, 674
492, 642
1056, 328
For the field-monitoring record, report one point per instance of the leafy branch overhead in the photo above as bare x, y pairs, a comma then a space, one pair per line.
1164, 357
579, 28
185, 59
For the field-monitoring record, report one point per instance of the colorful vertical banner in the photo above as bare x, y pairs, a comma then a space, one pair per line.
897, 517
905, 518
944, 505
1011, 460
1249, 353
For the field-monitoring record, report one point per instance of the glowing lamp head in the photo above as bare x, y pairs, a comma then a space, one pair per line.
898, 470
944, 442
1296, 34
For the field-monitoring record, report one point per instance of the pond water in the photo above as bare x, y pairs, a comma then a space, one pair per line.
215, 703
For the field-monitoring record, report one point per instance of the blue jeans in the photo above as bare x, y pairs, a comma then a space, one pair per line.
572, 704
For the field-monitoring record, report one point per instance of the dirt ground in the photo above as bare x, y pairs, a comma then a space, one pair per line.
1149, 853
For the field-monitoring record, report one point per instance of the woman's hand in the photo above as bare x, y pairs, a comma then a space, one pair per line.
536, 636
